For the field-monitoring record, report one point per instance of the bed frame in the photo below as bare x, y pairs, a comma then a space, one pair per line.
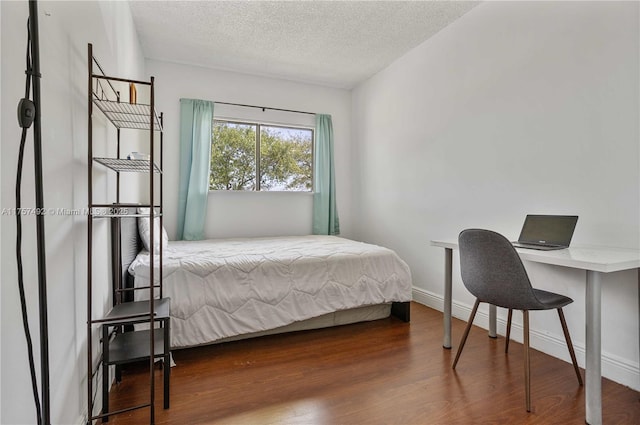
126, 244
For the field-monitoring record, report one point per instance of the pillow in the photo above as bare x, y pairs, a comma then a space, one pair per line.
145, 232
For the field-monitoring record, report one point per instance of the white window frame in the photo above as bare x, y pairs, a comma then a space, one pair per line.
258, 124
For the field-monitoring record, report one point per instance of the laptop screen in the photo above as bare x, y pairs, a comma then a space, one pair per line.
548, 229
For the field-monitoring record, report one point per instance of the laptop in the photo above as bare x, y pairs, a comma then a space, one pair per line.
546, 232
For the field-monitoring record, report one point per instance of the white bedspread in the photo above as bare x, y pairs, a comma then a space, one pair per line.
226, 287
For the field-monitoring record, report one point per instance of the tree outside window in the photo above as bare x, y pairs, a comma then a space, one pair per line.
253, 156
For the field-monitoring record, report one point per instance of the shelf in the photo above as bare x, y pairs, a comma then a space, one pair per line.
133, 346
122, 313
109, 214
137, 288
123, 205
128, 165
128, 115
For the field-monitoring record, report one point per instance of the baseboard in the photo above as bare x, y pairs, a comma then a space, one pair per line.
97, 388
615, 368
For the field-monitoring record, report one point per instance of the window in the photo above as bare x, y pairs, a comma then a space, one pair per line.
255, 156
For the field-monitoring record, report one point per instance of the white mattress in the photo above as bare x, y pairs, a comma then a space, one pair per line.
221, 288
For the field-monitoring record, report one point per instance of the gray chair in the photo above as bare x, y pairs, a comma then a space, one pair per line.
493, 272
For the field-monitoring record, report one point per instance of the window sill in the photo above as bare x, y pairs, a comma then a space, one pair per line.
255, 192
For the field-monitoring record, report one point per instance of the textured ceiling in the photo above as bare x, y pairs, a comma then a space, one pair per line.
331, 43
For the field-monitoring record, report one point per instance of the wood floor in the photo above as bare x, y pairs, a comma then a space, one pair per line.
382, 372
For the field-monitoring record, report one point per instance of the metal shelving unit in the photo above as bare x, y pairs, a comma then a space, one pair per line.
119, 347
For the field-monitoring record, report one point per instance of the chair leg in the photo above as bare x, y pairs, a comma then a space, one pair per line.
466, 332
572, 353
527, 363
508, 336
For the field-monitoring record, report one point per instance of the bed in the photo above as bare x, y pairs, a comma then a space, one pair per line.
226, 289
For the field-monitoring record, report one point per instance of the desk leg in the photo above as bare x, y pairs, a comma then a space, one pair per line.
448, 272
593, 390
493, 321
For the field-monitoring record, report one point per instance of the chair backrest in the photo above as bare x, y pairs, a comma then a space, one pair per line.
493, 272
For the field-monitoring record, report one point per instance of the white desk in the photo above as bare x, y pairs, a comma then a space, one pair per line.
595, 261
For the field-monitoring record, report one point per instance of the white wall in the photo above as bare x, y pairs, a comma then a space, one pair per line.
239, 214
516, 108
65, 30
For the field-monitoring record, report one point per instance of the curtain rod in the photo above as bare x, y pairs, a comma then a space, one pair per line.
265, 107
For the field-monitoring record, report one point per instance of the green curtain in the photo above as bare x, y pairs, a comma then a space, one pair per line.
196, 119
325, 210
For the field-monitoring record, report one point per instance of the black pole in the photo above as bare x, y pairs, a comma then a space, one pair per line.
42, 270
